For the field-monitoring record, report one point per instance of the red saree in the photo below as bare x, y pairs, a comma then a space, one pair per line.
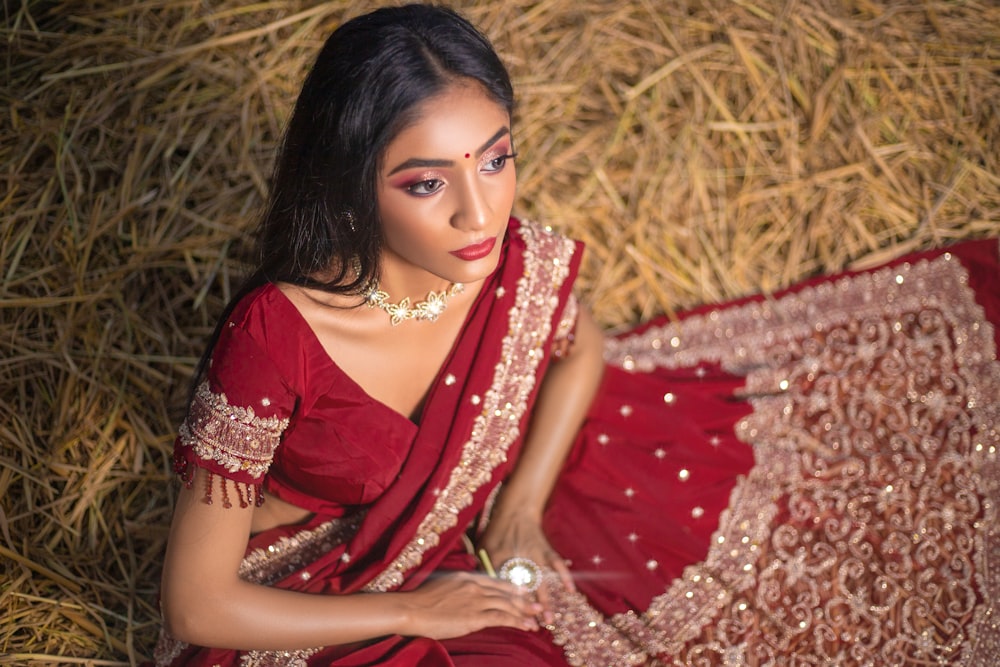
383, 524
808, 479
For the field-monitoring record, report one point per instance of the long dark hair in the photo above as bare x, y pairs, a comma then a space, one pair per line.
365, 87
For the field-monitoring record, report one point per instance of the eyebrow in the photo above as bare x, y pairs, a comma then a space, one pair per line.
414, 162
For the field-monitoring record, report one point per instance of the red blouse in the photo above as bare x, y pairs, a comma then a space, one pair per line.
339, 446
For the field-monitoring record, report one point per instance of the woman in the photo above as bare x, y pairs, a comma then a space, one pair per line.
397, 171
404, 347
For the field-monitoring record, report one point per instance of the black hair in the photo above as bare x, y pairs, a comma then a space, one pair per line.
365, 87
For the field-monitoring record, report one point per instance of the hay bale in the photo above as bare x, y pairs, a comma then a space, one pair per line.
703, 150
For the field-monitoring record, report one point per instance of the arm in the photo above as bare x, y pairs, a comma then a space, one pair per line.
205, 603
564, 397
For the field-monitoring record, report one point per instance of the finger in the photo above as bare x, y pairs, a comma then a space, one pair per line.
501, 617
525, 604
504, 593
545, 601
561, 566
565, 576
519, 610
500, 585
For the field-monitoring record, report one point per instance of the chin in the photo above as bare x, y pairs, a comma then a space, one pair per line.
474, 271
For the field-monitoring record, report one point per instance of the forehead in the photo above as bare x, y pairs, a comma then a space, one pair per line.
452, 123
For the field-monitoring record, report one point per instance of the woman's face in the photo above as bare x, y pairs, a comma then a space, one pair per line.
446, 187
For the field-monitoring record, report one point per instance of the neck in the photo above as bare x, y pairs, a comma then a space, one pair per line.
400, 281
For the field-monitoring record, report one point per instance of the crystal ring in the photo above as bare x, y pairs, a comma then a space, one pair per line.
522, 572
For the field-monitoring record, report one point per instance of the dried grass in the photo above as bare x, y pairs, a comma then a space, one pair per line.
703, 150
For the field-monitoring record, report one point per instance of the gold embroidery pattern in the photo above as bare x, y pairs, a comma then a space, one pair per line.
546, 266
288, 554
876, 426
277, 658
233, 436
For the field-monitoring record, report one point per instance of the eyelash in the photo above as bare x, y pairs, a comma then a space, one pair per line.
413, 189
508, 156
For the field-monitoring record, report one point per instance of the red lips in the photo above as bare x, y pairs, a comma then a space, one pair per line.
475, 251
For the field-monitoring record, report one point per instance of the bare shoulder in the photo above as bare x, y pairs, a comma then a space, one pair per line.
339, 315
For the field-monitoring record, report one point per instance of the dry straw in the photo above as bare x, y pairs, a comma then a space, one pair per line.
703, 150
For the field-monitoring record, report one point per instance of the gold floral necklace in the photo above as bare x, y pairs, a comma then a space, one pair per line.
429, 309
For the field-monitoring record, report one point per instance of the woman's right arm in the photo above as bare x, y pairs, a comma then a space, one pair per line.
205, 603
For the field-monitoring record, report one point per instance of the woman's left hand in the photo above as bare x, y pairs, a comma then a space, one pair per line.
519, 534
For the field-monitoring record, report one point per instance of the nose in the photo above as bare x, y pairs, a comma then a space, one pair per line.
472, 208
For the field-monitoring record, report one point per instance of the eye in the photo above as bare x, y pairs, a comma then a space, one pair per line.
424, 188
498, 163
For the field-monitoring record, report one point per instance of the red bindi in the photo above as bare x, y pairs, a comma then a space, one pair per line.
466, 155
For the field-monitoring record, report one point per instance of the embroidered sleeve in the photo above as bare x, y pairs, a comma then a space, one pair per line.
235, 421
562, 340
232, 436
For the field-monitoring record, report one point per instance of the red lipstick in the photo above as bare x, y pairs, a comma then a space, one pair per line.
471, 253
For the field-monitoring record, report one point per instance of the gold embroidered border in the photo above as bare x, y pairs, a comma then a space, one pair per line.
729, 609
233, 436
277, 658
546, 266
745, 337
290, 554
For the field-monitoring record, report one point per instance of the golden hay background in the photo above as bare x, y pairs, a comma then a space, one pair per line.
703, 150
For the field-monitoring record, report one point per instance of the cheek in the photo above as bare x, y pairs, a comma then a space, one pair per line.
405, 224
397, 217
506, 189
